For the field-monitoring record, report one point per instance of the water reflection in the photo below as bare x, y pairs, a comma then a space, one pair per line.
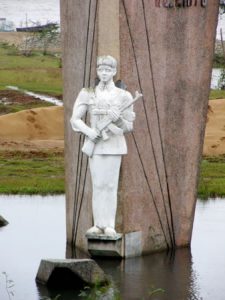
137, 277
37, 230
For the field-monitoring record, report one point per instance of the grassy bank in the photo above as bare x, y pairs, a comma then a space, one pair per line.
31, 173
212, 177
37, 73
217, 94
43, 173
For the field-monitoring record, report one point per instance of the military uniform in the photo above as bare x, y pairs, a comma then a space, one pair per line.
106, 160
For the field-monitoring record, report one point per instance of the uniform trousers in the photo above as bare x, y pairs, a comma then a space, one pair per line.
105, 176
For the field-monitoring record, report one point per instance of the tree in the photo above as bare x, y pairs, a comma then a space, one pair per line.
48, 35
39, 37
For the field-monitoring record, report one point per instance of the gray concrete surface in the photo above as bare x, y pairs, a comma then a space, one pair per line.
86, 270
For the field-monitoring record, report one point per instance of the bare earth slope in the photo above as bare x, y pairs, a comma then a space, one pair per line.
42, 129
32, 129
215, 129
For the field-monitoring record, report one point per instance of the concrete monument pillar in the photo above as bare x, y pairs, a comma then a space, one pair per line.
165, 51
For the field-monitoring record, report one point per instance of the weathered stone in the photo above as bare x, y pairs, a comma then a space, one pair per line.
133, 244
129, 245
3, 222
85, 270
170, 51
103, 245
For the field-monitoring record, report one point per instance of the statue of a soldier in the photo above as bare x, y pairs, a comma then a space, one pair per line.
111, 115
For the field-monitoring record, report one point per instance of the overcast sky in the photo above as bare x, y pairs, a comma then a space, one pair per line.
36, 10
47, 10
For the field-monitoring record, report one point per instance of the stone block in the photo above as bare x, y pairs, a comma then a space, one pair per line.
133, 244
102, 245
86, 270
3, 222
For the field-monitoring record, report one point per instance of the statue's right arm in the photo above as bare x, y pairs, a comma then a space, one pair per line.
79, 110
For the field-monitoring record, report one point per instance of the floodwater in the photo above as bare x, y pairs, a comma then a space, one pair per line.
42, 97
36, 230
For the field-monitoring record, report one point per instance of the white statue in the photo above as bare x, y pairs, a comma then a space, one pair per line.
111, 115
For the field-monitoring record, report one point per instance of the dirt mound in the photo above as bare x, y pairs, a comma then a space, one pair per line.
214, 143
40, 128
33, 124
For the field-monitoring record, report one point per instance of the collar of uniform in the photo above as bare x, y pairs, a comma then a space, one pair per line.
106, 87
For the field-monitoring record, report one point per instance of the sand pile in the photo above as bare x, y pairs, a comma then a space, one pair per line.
40, 127
215, 129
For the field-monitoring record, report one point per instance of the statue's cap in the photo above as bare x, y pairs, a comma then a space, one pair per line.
107, 60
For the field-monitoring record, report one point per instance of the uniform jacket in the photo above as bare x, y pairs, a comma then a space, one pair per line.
96, 103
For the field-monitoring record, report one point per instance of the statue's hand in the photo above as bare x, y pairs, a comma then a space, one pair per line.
94, 135
114, 114
138, 95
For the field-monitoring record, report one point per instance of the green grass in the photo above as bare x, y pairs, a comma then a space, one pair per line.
217, 94
31, 173
43, 173
37, 73
212, 178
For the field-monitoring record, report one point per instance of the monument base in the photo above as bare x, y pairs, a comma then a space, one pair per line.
119, 246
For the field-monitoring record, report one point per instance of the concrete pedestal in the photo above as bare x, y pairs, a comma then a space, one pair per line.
166, 54
127, 245
102, 245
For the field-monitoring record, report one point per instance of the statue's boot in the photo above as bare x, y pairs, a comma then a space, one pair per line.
109, 231
94, 230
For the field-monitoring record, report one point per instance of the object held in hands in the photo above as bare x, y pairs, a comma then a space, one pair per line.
89, 147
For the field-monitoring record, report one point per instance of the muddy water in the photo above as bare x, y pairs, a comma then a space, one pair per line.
37, 230
41, 97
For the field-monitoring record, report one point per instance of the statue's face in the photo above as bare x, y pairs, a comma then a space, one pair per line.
105, 73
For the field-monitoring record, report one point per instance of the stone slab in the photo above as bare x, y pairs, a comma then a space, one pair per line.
102, 245
167, 55
85, 269
3, 221
118, 246
133, 244
104, 237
